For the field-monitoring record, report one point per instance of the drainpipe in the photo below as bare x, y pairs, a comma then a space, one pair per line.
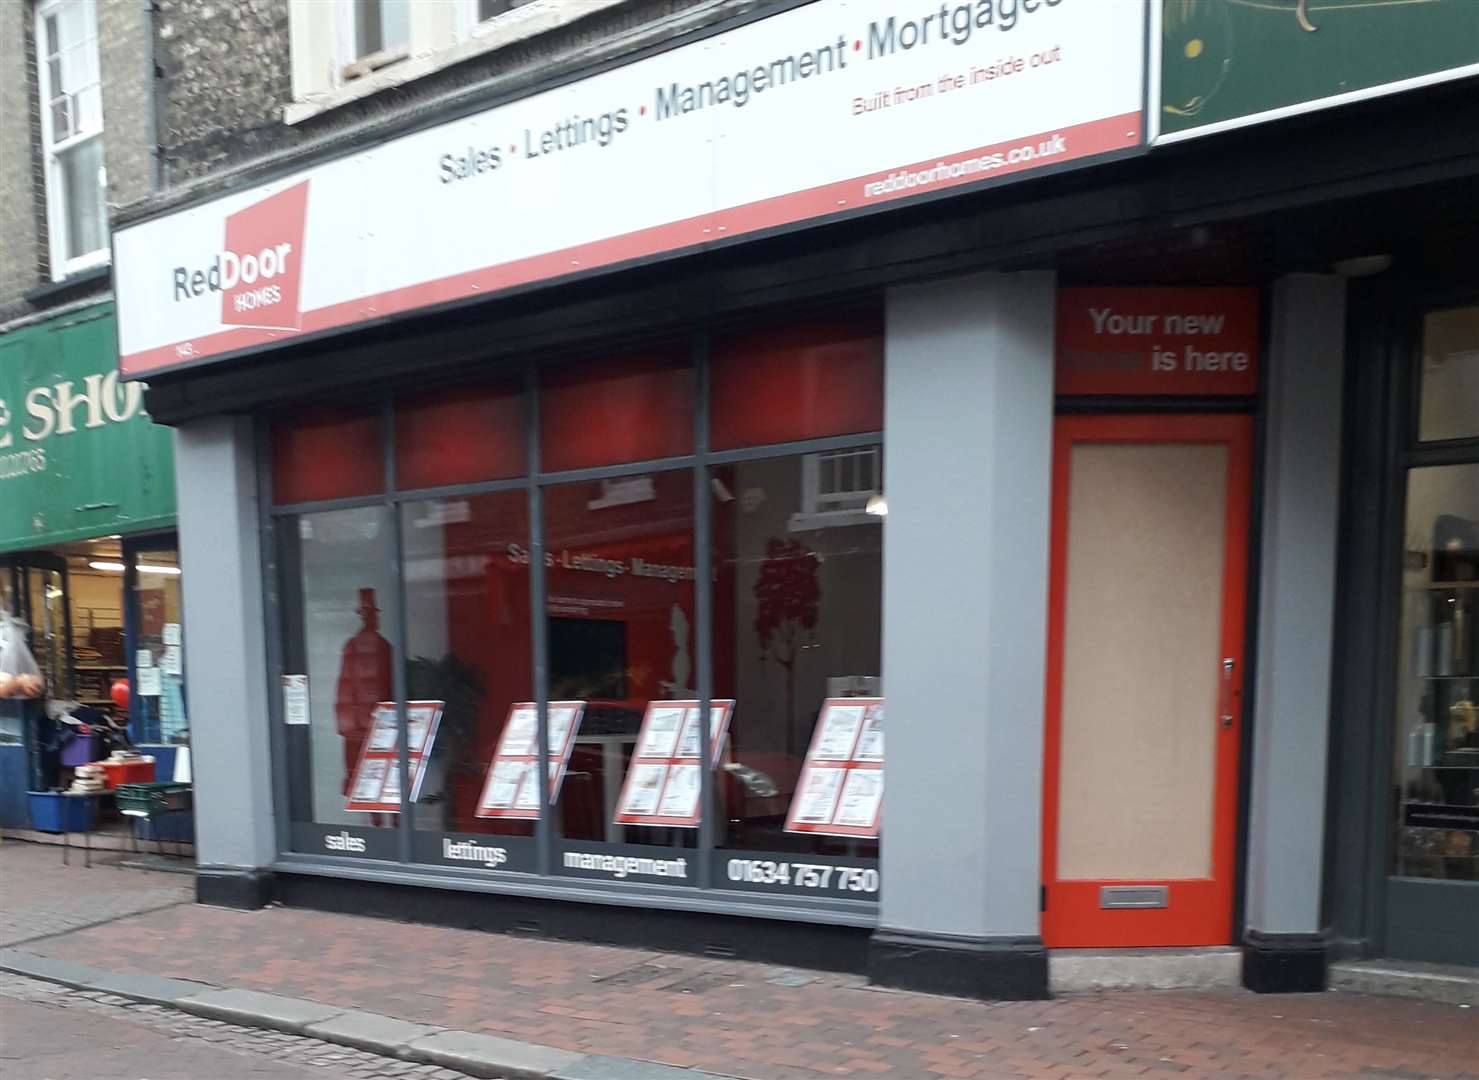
151, 104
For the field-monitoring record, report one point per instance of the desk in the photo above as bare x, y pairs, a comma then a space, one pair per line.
613, 772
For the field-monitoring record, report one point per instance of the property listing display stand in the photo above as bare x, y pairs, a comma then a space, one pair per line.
841, 788
377, 778
512, 787
662, 784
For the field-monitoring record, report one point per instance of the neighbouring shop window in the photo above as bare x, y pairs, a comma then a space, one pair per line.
1437, 766
469, 647
460, 436
797, 621
608, 412
157, 700
72, 134
328, 454
1450, 375
336, 594
619, 583
818, 377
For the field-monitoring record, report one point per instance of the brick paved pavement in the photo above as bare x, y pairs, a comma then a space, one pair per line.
39, 896
767, 1023
52, 1032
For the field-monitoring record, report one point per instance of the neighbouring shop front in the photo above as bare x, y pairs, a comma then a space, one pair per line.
561, 611
89, 569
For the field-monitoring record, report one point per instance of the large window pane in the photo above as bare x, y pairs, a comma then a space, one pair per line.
381, 24
468, 647
620, 585
460, 436
335, 581
810, 379
1450, 374
797, 621
81, 174
1436, 771
327, 454
607, 412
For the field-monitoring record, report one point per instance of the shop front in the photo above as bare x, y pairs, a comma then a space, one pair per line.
89, 562
575, 607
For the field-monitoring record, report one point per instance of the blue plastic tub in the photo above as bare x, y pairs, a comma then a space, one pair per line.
53, 812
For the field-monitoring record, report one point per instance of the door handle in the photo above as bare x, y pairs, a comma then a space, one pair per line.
1227, 692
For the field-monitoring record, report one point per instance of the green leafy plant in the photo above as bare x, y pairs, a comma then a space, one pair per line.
460, 687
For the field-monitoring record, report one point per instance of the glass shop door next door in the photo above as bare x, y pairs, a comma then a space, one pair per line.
1145, 675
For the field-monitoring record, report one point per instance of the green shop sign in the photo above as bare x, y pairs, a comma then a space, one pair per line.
79, 457
1231, 62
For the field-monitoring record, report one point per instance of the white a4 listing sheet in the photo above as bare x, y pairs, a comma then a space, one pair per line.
839, 732
644, 785
819, 795
862, 793
661, 737
680, 796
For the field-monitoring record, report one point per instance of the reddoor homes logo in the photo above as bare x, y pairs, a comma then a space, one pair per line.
259, 269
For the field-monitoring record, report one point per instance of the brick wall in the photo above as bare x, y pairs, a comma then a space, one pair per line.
19, 237
227, 77
124, 49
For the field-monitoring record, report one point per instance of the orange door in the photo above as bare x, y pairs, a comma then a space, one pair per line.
1145, 672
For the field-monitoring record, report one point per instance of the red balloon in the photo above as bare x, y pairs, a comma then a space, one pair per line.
119, 693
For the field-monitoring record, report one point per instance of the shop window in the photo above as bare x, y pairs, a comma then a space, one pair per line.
808, 380
620, 585
608, 412
336, 590
468, 648
797, 621
157, 701
1437, 744
331, 454
460, 436
1450, 375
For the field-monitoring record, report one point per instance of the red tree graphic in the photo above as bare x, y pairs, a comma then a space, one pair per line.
787, 596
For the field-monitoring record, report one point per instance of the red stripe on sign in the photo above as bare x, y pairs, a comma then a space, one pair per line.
919, 178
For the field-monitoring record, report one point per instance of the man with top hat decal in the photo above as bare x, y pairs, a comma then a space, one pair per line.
364, 681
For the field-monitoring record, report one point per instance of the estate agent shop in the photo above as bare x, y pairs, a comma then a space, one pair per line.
553, 465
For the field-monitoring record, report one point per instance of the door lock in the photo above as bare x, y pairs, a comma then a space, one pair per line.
1227, 692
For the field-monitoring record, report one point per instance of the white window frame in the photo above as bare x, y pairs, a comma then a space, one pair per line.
820, 509
56, 214
443, 33
470, 26
348, 64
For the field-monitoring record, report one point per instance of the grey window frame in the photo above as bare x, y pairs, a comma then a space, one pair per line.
706, 895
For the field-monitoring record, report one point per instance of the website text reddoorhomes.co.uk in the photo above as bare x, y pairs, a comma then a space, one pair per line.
943, 172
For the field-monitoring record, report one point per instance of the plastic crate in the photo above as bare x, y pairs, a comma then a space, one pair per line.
54, 812
119, 773
146, 800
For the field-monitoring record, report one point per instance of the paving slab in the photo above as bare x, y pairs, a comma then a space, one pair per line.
256, 1009
370, 1031
490, 1056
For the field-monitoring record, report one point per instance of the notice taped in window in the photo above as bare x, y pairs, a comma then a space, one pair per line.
663, 783
840, 792
376, 787
511, 789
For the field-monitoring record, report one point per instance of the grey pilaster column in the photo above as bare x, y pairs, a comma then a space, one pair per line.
969, 415
1284, 948
225, 661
